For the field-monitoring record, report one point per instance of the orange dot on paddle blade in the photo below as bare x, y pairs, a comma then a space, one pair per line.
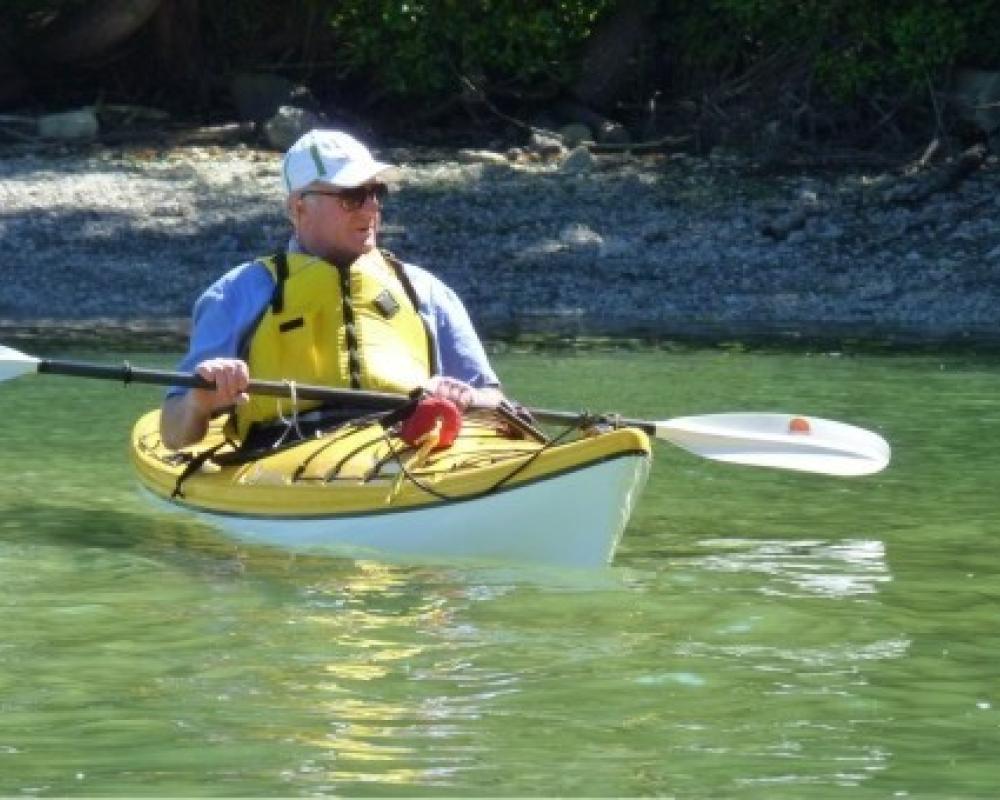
798, 425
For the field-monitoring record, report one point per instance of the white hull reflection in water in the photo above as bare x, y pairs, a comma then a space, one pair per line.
804, 567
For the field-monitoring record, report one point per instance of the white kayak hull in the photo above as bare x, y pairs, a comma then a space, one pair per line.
573, 520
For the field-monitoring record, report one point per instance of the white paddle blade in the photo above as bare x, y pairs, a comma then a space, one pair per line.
14, 363
783, 441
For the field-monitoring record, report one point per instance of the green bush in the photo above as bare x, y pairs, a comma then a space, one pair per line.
857, 46
423, 49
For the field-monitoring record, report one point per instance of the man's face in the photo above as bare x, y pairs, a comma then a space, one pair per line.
338, 225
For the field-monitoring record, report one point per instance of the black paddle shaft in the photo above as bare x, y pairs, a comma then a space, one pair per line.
126, 373
357, 398
584, 419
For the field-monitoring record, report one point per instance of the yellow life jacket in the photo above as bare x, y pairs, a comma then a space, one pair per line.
354, 326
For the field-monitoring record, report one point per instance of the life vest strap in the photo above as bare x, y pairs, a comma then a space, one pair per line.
280, 276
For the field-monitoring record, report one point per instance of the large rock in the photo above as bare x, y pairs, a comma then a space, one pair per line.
259, 95
575, 133
288, 124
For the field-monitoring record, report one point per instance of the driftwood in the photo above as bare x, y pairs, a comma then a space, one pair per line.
664, 144
19, 127
931, 152
945, 178
225, 135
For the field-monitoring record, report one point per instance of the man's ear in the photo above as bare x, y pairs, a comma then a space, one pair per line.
293, 207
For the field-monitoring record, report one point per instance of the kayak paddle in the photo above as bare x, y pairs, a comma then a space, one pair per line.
784, 441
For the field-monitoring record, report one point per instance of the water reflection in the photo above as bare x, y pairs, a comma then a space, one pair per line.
394, 672
338, 676
803, 567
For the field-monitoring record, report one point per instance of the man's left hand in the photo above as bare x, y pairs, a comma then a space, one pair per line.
461, 394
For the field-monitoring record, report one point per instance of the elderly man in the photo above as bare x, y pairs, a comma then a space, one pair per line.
332, 309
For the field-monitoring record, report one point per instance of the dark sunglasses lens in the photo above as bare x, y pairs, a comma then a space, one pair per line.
355, 198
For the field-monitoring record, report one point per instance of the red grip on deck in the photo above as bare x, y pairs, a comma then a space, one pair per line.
424, 418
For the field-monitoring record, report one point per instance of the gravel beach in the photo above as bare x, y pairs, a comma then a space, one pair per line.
664, 246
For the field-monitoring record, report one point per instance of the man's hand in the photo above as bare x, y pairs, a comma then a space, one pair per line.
461, 394
184, 418
231, 378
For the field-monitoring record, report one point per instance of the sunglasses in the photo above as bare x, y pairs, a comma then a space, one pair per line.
355, 198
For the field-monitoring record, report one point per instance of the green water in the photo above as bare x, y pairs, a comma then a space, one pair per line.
761, 634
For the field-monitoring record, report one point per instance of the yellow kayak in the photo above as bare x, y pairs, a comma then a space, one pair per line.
492, 494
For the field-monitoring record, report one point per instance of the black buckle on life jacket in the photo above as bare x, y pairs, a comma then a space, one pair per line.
387, 305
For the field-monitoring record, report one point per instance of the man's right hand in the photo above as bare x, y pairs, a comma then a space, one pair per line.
184, 418
231, 378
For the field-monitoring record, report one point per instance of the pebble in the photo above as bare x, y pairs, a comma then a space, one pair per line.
136, 234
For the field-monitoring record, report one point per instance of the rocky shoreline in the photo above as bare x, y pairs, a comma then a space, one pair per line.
118, 242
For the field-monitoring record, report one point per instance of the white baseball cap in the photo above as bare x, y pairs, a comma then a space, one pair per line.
332, 157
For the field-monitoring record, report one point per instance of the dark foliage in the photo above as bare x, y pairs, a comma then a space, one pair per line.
871, 73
